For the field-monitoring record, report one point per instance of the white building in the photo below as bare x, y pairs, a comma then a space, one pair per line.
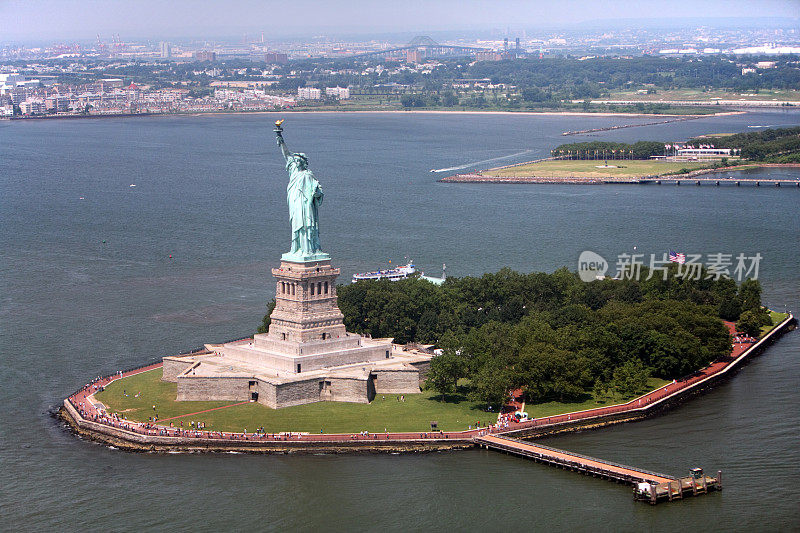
308, 93
11, 79
342, 93
165, 49
702, 154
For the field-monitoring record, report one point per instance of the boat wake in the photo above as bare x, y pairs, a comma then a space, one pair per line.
476, 163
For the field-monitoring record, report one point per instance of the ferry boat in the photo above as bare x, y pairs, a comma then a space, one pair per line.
392, 274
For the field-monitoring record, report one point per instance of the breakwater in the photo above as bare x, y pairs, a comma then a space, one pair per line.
624, 126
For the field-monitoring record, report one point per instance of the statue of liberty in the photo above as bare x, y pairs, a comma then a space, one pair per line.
304, 196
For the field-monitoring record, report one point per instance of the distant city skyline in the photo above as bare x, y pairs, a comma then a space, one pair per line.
43, 20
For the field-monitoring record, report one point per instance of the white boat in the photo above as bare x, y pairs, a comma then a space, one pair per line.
392, 274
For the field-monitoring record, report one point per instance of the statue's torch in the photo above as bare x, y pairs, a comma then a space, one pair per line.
278, 127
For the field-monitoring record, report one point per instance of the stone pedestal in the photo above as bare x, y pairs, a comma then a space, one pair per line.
306, 308
306, 329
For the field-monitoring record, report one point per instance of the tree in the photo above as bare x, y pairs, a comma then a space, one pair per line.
601, 390
447, 367
749, 324
750, 294
533, 94
265, 322
426, 327
630, 378
449, 99
551, 374
491, 384
752, 320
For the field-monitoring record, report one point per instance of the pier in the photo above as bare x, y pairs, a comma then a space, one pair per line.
738, 182
651, 487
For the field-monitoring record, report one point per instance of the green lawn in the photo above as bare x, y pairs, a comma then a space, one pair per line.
385, 412
557, 408
588, 169
414, 414
777, 318
698, 94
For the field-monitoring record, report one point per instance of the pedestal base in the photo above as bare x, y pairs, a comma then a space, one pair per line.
305, 258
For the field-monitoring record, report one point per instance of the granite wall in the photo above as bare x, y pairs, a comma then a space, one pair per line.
197, 388
173, 366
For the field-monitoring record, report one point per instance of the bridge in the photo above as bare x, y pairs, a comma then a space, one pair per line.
425, 44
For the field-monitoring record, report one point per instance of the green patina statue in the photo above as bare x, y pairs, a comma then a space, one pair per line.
304, 196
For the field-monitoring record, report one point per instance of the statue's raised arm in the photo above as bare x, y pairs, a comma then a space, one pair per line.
281, 142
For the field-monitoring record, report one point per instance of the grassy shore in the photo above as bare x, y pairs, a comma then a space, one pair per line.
777, 318
588, 169
708, 95
135, 396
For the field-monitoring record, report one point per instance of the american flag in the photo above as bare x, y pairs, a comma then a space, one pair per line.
676, 257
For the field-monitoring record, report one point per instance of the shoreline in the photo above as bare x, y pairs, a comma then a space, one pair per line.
133, 437
477, 177
378, 111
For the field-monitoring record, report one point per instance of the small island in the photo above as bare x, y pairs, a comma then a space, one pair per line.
696, 160
542, 344
413, 365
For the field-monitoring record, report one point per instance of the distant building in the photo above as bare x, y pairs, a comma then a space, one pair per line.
488, 55
111, 83
205, 55
32, 107
700, 154
276, 58
342, 93
308, 93
165, 49
11, 79
57, 104
472, 82
413, 56
705, 151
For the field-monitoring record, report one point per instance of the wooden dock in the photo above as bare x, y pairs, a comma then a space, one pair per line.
651, 487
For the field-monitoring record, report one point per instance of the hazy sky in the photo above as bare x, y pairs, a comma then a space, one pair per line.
22, 20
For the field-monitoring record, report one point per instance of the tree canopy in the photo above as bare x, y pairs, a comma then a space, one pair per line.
553, 335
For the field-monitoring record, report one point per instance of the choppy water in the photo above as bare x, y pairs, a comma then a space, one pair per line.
87, 287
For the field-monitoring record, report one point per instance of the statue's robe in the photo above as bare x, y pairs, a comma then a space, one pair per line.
304, 195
